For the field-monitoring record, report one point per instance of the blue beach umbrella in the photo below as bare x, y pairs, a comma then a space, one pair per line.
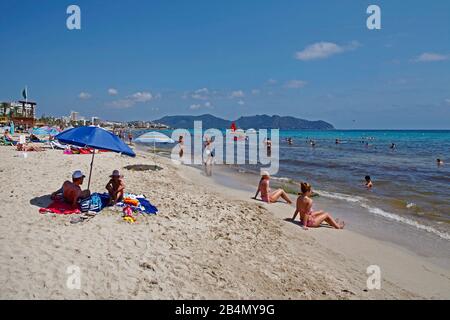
96, 138
39, 132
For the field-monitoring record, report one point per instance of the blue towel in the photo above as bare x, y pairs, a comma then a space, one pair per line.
96, 202
148, 207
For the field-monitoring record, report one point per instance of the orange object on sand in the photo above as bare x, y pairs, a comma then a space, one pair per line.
130, 201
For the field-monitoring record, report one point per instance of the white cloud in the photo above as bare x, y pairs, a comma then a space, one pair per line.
295, 84
322, 50
141, 97
200, 94
431, 57
240, 102
197, 106
84, 95
130, 101
237, 94
113, 92
122, 104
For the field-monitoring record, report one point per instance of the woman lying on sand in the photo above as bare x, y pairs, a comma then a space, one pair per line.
308, 217
27, 148
266, 194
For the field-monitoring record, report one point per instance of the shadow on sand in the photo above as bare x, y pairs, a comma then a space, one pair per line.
42, 201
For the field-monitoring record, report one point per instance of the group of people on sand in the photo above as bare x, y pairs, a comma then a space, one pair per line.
72, 194
309, 218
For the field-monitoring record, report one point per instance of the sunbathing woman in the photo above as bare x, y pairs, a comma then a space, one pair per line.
266, 194
308, 217
27, 148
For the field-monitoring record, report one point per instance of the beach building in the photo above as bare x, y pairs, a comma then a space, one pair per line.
22, 113
73, 116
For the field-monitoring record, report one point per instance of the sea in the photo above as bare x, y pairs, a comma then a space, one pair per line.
411, 192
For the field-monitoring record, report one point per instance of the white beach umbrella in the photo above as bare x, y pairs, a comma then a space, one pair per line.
154, 137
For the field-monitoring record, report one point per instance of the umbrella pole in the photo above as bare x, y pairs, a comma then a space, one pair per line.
154, 153
90, 172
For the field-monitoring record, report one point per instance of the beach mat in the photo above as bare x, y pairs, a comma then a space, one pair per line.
60, 207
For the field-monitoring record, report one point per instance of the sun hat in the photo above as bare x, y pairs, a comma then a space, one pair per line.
77, 174
115, 173
265, 173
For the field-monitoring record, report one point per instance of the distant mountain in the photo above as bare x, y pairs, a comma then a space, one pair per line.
256, 122
187, 122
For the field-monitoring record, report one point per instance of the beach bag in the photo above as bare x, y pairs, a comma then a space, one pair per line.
93, 203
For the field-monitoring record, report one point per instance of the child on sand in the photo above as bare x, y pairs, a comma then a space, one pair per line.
308, 217
116, 187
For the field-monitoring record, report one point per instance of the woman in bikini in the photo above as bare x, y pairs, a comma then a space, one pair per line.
310, 218
266, 194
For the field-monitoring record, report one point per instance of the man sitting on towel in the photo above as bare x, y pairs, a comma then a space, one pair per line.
71, 191
116, 187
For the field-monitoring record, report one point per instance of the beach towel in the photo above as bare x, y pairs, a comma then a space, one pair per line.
60, 207
144, 205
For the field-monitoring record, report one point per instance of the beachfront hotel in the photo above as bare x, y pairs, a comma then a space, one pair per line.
21, 113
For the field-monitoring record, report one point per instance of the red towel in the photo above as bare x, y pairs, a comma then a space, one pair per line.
60, 207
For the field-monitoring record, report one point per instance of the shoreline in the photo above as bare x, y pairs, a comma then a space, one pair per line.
360, 219
207, 242
401, 265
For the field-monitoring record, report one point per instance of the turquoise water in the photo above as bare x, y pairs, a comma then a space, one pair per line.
409, 187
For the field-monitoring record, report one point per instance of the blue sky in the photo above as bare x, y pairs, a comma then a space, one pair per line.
310, 59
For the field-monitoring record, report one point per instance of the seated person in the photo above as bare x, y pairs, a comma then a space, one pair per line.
310, 218
71, 191
116, 187
8, 137
266, 194
34, 138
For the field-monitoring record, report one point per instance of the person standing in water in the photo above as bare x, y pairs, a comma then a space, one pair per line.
308, 217
368, 182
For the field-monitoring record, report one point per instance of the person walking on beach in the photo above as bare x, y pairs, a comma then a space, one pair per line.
308, 217
115, 187
368, 182
181, 145
130, 137
71, 191
266, 194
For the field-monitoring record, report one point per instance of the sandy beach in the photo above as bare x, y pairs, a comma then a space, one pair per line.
207, 242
